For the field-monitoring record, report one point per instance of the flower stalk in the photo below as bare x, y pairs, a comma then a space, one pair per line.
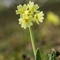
32, 42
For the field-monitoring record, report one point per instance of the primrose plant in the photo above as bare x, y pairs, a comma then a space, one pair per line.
29, 14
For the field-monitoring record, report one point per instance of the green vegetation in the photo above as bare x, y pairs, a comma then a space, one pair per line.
15, 41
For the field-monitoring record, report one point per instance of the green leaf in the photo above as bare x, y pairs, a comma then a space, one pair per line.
38, 56
52, 56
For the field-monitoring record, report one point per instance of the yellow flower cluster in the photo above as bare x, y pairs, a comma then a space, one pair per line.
29, 13
52, 18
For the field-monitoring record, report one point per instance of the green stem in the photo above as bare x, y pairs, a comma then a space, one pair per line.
32, 41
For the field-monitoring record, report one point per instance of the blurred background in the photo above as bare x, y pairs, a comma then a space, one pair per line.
15, 42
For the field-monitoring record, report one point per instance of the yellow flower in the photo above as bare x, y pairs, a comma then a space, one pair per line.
21, 9
38, 17
52, 18
25, 22
32, 7
29, 13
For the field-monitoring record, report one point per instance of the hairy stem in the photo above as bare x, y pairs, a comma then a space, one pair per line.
32, 41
